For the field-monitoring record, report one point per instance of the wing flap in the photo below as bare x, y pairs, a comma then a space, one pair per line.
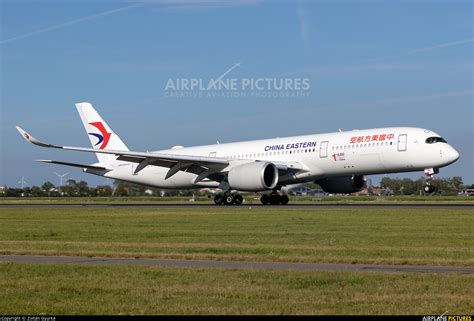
72, 164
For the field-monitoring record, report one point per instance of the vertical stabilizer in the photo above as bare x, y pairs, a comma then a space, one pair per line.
100, 134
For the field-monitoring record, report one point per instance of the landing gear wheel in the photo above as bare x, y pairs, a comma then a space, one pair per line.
229, 199
265, 199
284, 199
274, 199
238, 199
219, 199
429, 188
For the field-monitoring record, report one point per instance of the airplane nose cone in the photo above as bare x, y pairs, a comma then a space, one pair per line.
452, 155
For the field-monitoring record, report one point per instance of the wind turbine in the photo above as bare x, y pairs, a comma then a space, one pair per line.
61, 177
22, 182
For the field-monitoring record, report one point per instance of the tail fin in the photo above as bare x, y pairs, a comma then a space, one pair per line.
100, 134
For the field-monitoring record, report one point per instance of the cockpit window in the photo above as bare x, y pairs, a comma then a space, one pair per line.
432, 140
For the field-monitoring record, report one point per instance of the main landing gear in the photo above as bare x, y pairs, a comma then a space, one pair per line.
429, 187
228, 199
274, 199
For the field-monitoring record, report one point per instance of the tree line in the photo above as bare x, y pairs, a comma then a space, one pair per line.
72, 188
449, 186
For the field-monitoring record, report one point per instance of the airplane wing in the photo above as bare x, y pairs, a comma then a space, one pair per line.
73, 164
203, 166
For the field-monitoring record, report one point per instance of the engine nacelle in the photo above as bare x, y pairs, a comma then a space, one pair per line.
347, 184
253, 177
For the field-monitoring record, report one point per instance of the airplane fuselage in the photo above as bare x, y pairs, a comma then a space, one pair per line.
356, 152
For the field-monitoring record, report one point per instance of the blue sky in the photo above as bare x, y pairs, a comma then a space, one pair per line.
369, 64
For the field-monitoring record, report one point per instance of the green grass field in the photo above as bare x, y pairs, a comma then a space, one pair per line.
74, 289
361, 235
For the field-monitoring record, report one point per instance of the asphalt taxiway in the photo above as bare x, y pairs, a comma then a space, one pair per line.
194, 205
205, 264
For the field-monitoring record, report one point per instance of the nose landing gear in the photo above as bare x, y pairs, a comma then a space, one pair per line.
429, 173
429, 188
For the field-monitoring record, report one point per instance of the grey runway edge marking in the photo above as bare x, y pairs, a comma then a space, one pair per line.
204, 264
161, 205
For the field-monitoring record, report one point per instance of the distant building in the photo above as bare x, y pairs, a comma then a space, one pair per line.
306, 191
54, 191
466, 192
371, 191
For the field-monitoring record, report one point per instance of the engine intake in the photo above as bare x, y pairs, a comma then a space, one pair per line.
253, 177
346, 184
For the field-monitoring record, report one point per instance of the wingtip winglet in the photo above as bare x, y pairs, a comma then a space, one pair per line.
30, 138
23, 133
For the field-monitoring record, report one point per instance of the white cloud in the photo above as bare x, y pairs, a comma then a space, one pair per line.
303, 17
71, 22
166, 4
180, 5
430, 48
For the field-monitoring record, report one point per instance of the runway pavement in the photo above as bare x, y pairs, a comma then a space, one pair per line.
194, 205
204, 264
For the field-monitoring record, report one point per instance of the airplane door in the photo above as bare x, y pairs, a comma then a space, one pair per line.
323, 150
402, 142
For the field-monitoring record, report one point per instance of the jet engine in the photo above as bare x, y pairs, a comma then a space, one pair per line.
253, 177
346, 184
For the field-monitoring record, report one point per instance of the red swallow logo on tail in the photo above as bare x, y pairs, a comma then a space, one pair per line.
103, 137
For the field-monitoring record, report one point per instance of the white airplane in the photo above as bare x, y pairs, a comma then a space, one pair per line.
338, 162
